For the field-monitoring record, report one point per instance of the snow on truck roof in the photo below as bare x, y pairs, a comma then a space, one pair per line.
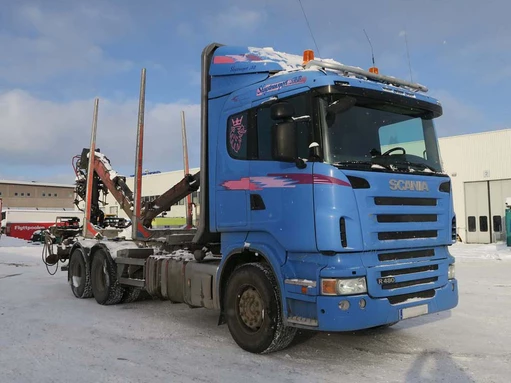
244, 60
266, 59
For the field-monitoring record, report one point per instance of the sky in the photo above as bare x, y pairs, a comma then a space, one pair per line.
58, 55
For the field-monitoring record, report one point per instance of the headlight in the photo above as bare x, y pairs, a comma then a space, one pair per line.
348, 286
451, 273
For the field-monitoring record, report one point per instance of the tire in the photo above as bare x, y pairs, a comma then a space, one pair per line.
79, 275
134, 294
105, 286
253, 310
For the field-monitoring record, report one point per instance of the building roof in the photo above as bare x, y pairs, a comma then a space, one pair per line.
170, 172
503, 131
34, 183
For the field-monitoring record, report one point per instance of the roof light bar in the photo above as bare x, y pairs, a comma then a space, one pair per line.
373, 76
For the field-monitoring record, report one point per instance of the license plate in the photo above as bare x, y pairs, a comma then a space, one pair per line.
415, 311
386, 281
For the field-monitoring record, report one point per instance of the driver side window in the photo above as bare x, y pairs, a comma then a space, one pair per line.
301, 106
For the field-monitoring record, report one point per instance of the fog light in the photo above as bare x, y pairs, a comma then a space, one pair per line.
362, 303
344, 305
451, 273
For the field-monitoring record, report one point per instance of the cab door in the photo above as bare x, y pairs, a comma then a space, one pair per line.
233, 173
281, 194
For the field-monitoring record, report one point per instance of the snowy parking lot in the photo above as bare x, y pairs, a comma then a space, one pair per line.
47, 335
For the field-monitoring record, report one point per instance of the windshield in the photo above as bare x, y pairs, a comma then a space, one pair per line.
368, 134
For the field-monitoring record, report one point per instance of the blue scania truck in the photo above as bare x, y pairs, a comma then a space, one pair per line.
323, 205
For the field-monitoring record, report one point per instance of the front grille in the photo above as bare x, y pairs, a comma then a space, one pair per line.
404, 201
406, 255
395, 218
409, 270
397, 285
395, 235
405, 297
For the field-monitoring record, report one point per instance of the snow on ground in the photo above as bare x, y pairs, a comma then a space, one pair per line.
47, 335
499, 252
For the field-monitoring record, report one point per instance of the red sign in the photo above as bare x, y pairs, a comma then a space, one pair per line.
24, 230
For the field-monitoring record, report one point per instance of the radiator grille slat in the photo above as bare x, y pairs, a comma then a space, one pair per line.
395, 235
397, 285
397, 256
397, 218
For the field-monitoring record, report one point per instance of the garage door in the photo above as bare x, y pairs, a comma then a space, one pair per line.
499, 191
477, 210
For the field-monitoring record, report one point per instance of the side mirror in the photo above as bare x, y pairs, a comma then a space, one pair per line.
284, 141
282, 111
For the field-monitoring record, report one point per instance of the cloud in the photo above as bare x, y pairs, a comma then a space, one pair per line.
41, 133
235, 24
239, 18
47, 43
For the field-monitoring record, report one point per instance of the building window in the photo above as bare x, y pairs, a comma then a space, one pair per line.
471, 224
28, 194
16, 194
55, 194
497, 223
483, 223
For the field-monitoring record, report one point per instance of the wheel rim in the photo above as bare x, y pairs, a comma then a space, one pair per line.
76, 273
101, 277
250, 309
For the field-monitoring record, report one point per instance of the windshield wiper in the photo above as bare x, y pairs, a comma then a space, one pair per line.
361, 163
422, 166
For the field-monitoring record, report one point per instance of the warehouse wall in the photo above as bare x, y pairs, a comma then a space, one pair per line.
475, 157
154, 185
36, 195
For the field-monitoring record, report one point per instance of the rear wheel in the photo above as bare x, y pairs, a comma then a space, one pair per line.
253, 310
79, 275
105, 286
134, 294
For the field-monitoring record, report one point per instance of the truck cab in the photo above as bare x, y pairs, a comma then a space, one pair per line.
331, 175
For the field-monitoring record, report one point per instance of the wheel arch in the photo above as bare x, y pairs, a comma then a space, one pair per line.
243, 255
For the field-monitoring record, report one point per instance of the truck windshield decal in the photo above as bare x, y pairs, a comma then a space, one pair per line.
236, 133
237, 129
279, 85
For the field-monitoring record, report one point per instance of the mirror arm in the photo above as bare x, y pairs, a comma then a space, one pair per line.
300, 163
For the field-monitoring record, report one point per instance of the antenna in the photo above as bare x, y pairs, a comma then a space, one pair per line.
308, 25
408, 55
371, 45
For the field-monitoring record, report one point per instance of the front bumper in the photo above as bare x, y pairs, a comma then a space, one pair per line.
378, 311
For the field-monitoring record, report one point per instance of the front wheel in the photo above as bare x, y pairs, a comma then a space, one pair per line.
253, 310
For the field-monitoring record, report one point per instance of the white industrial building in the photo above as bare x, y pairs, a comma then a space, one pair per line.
479, 166
153, 185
